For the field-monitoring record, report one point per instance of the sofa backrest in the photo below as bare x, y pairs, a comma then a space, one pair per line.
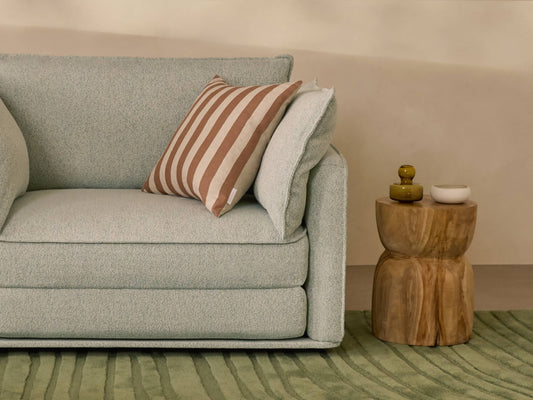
103, 122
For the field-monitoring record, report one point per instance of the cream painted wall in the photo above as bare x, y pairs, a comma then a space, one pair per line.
445, 85
472, 32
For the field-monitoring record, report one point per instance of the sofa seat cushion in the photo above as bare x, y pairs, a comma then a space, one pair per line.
131, 216
106, 238
153, 314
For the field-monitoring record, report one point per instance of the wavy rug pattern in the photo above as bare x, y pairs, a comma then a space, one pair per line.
496, 364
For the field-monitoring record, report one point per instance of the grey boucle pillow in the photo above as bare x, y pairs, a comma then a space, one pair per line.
14, 163
299, 142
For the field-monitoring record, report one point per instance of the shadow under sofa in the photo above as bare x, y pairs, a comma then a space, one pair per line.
88, 260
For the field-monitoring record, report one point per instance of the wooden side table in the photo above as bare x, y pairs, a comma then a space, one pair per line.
423, 290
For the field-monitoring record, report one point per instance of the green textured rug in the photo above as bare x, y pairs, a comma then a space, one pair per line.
496, 364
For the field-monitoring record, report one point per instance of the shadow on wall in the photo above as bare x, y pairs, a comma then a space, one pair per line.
456, 124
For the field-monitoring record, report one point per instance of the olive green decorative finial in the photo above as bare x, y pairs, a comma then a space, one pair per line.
406, 173
406, 191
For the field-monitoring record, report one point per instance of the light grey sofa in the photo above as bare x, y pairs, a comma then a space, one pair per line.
88, 260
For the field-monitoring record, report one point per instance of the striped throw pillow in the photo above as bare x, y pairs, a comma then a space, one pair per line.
216, 151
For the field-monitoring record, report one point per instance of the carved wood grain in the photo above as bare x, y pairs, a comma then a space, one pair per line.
423, 284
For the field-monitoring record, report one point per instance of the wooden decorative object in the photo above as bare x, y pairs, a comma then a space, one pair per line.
423, 285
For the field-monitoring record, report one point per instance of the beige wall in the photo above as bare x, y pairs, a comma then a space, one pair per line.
445, 85
471, 32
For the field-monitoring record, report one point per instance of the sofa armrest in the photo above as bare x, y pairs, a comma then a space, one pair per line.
14, 162
325, 218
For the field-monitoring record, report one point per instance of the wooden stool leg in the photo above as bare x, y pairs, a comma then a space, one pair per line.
422, 301
455, 286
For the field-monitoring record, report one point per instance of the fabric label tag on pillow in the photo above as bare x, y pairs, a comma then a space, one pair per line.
232, 196
216, 151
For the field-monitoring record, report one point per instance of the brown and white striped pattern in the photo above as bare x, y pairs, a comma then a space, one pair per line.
216, 151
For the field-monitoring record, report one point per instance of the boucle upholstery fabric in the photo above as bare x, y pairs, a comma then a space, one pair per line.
216, 151
102, 122
153, 266
299, 343
131, 216
152, 314
299, 142
14, 163
325, 218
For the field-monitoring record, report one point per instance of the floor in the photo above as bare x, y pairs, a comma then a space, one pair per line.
508, 287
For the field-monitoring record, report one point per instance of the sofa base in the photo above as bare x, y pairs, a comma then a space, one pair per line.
299, 343
140, 314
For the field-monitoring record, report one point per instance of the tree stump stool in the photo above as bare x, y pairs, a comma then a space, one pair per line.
423, 290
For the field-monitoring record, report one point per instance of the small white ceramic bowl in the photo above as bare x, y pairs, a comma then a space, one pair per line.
450, 194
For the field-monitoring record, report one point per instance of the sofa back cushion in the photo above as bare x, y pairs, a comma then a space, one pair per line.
102, 122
